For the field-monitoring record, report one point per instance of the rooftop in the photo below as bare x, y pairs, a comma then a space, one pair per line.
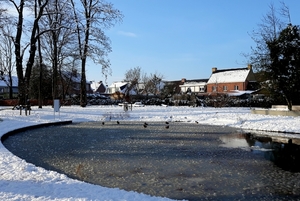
229, 75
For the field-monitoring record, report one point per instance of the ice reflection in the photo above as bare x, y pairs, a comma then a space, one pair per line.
234, 141
283, 152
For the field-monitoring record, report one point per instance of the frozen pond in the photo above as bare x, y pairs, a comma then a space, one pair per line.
185, 161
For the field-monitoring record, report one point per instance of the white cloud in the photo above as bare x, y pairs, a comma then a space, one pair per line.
129, 34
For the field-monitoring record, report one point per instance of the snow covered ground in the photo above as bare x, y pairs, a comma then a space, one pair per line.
23, 181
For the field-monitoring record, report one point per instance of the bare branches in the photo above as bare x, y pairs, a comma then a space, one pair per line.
141, 82
271, 24
62, 40
268, 30
91, 17
7, 57
285, 12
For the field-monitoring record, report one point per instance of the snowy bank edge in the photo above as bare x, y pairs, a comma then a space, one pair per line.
21, 129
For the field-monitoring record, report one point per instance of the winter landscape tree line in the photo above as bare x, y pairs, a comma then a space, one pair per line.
59, 36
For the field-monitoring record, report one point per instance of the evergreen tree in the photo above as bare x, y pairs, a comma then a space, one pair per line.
283, 69
46, 90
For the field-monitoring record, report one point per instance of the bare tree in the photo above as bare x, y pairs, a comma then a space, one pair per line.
58, 44
92, 42
133, 77
24, 73
90, 17
152, 83
156, 83
285, 12
146, 80
19, 53
268, 30
6, 57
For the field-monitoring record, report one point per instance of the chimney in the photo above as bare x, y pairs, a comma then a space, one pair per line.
249, 66
214, 69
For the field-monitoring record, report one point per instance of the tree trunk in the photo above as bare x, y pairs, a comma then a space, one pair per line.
289, 104
55, 66
24, 80
10, 85
19, 56
40, 99
32, 50
83, 99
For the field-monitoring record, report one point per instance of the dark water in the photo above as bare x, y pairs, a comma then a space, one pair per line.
185, 161
283, 152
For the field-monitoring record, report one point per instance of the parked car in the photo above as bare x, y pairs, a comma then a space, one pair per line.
138, 104
122, 104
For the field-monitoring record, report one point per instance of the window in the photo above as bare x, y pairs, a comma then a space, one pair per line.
224, 88
188, 90
236, 87
214, 88
201, 89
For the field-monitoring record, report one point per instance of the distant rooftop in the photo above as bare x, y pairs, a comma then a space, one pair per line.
229, 75
14, 81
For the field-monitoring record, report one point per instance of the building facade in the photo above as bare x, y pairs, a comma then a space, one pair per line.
230, 80
193, 86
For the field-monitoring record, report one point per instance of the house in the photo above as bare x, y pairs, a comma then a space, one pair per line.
234, 82
193, 86
4, 85
100, 88
116, 87
116, 90
71, 82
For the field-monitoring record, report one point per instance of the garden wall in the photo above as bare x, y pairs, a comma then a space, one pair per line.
278, 110
33, 102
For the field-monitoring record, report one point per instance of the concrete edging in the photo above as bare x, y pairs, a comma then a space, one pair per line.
294, 113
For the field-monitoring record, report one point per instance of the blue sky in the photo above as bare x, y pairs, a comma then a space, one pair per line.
184, 38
